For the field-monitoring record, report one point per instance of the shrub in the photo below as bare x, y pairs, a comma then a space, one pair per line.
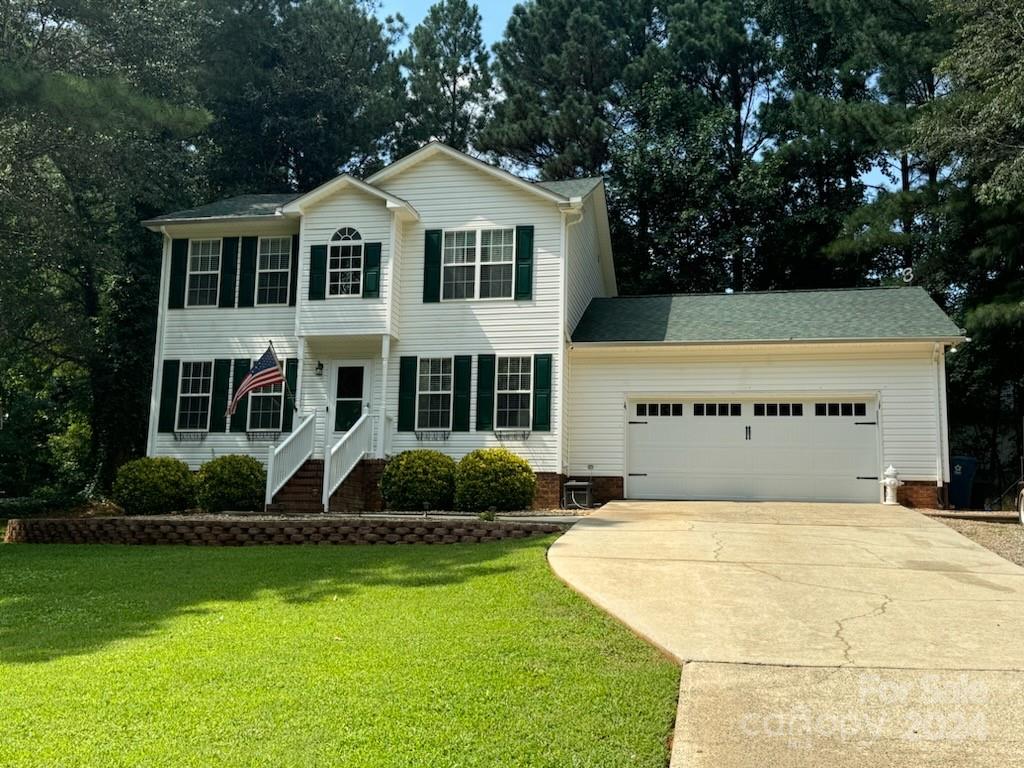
152, 486
420, 479
235, 483
494, 478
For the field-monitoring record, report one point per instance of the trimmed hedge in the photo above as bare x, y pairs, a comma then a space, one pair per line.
418, 480
231, 483
154, 486
494, 478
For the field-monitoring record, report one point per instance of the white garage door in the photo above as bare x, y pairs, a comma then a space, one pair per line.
766, 449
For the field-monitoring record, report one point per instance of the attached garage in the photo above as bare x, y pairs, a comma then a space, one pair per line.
768, 448
803, 396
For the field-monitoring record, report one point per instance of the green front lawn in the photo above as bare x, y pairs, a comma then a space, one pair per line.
459, 655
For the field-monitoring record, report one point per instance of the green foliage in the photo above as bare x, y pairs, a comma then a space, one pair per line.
494, 478
419, 480
449, 75
153, 486
231, 484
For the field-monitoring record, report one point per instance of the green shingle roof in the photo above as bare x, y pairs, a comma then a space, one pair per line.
242, 206
865, 313
571, 187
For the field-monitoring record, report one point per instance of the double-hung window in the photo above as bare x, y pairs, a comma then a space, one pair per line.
514, 393
478, 264
345, 263
434, 393
265, 407
273, 264
194, 387
203, 272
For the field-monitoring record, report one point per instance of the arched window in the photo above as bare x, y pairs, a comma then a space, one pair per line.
345, 263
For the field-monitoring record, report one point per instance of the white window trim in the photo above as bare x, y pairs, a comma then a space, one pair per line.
361, 242
450, 392
497, 365
248, 406
287, 273
189, 272
477, 264
209, 396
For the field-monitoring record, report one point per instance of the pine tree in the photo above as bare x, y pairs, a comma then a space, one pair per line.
449, 76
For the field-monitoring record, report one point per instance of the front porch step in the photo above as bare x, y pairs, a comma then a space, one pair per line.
360, 491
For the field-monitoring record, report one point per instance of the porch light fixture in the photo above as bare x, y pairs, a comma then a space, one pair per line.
319, 367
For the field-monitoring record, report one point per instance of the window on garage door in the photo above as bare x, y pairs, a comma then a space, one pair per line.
778, 409
659, 409
840, 409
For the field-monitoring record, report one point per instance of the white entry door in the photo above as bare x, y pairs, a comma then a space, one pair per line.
772, 448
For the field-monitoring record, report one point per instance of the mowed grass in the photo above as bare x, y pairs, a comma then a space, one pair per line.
459, 655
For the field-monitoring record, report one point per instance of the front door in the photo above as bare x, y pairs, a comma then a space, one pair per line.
351, 394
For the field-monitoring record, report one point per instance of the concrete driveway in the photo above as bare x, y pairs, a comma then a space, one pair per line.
815, 634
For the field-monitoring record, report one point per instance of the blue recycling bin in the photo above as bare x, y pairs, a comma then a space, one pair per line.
961, 480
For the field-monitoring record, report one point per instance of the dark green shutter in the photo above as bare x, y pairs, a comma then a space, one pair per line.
371, 271
524, 262
291, 376
179, 273
463, 384
407, 394
542, 393
168, 396
484, 393
293, 274
240, 418
317, 272
221, 396
228, 272
432, 265
247, 283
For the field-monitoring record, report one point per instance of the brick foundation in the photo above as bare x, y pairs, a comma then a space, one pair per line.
549, 490
608, 488
241, 531
360, 491
922, 494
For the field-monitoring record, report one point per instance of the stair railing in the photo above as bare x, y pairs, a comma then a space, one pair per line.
342, 457
284, 460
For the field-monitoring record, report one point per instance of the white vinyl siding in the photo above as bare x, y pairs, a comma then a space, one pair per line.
452, 196
583, 258
902, 376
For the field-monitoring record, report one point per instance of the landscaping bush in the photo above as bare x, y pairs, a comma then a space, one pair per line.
152, 486
420, 479
494, 478
235, 483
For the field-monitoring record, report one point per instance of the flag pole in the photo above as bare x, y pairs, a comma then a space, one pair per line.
287, 389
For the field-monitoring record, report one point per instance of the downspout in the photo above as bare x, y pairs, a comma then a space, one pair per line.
563, 435
937, 354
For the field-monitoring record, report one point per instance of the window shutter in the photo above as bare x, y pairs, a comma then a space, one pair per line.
317, 272
484, 393
524, 262
542, 393
291, 377
228, 272
168, 396
247, 283
463, 383
179, 273
432, 265
293, 275
407, 394
221, 395
240, 418
371, 271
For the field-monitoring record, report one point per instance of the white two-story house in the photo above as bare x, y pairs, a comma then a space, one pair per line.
448, 304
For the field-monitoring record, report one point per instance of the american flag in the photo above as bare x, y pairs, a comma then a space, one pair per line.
267, 371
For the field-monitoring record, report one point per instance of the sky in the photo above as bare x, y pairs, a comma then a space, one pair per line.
493, 14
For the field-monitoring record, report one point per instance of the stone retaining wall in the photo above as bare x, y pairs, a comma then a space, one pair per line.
240, 531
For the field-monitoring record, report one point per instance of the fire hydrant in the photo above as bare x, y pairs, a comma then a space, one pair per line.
890, 483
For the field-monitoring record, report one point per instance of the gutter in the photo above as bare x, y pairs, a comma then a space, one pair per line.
157, 225
949, 340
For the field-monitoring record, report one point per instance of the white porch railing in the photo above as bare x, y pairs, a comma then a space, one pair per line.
341, 458
284, 460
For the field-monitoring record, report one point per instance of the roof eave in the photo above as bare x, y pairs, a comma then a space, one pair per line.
155, 225
946, 340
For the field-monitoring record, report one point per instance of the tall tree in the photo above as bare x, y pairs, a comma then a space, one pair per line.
449, 76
